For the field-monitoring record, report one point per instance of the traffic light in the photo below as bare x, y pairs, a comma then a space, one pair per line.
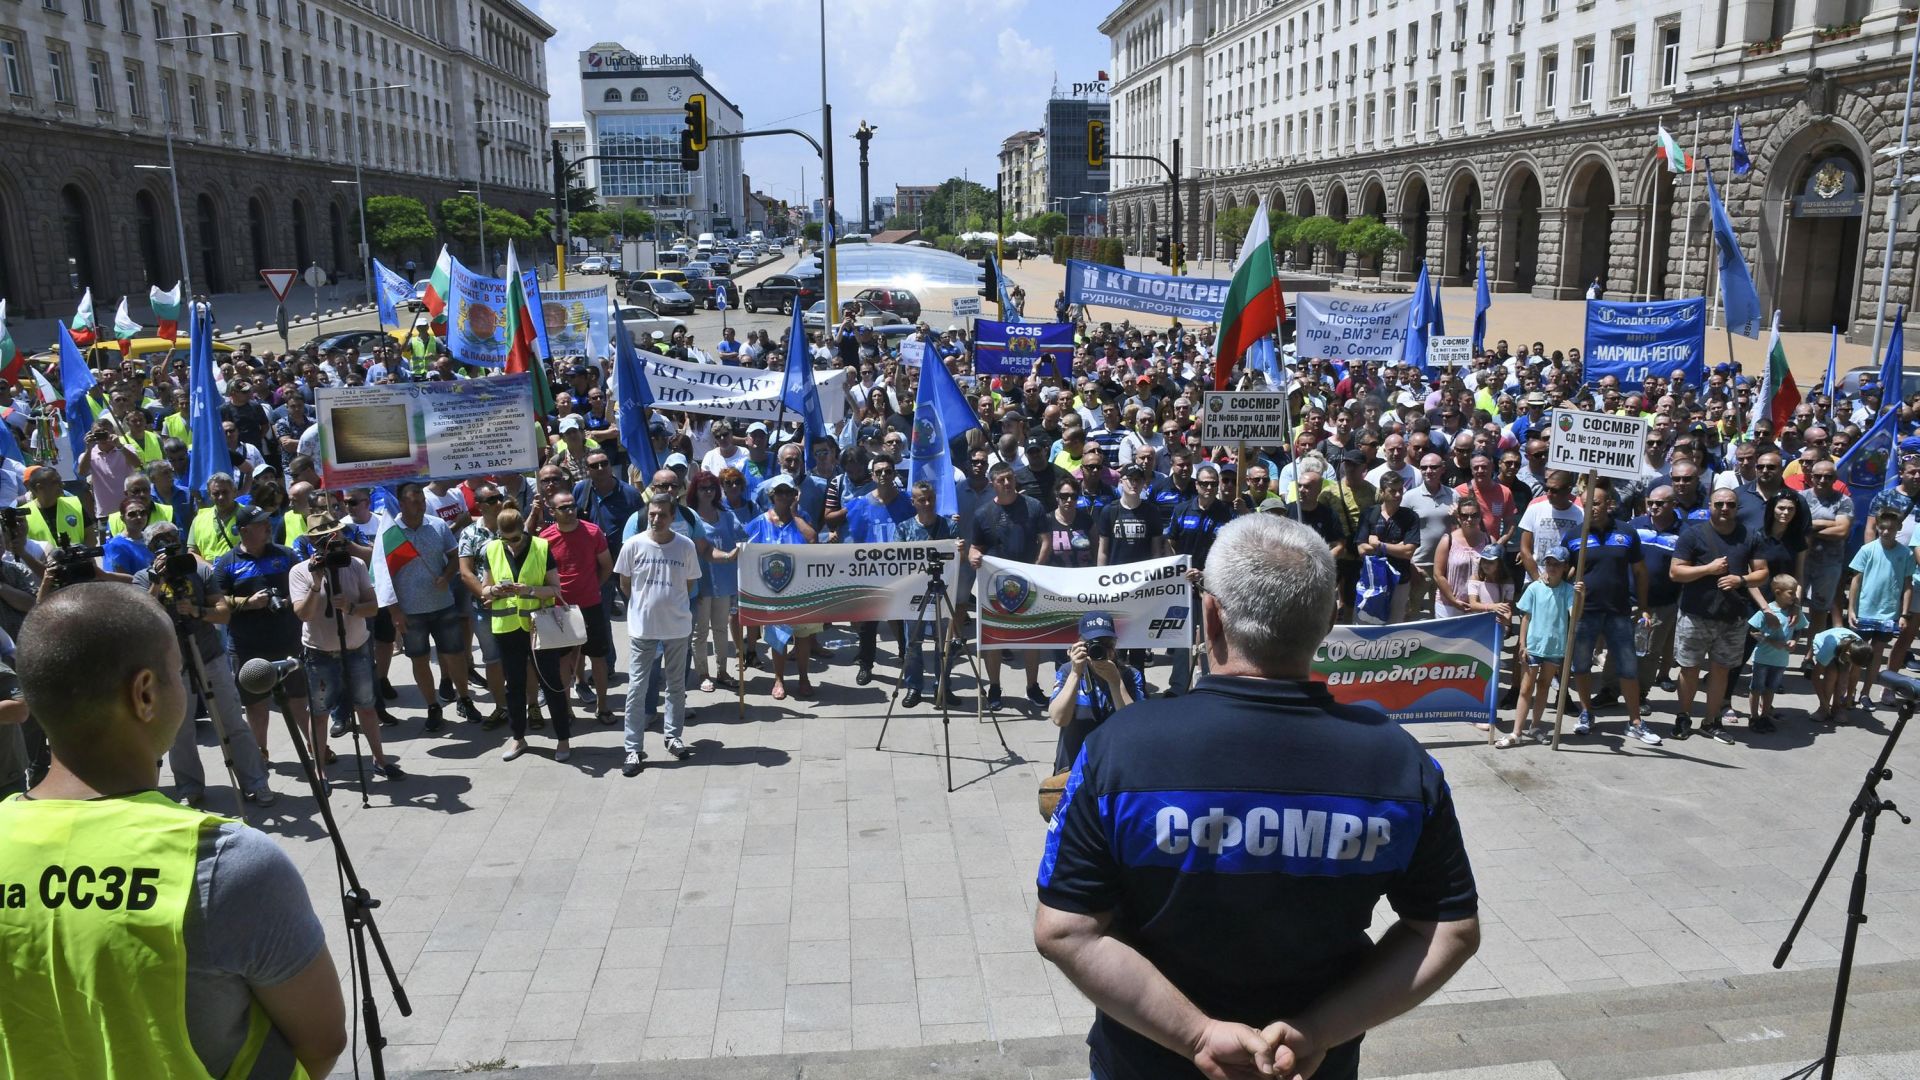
1096, 144
693, 137
990, 281
1162, 250
1177, 253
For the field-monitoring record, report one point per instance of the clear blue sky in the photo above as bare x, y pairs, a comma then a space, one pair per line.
943, 81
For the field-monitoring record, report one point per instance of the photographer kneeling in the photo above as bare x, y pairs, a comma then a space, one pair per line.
1090, 688
186, 588
336, 675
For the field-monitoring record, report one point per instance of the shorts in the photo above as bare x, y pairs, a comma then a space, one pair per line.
1618, 631
1766, 678
1823, 582
1551, 664
383, 631
443, 627
1698, 640
806, 629
482, 624
331, 679
294, 685
599, 630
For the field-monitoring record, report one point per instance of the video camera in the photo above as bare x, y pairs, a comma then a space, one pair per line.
173, 564
72, 564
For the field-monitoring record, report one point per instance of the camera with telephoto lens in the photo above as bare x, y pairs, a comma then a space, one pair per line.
14, 520
276, 601
335, 555
173, 564
71, 564
1096, 651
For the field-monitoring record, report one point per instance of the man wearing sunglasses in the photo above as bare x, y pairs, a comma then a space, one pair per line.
1720, 583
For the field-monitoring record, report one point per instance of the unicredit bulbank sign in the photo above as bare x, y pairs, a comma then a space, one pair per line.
609, 60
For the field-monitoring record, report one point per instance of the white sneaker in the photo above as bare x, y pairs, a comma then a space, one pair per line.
1639, 731
513, 750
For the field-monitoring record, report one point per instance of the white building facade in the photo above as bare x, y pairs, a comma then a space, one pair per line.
636, 106
1527, 128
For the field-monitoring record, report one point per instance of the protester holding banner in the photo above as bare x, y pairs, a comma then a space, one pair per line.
875, 518
718, 545
782, 525
1008, 528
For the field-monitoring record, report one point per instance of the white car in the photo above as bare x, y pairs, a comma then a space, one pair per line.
869, 315
593, 265
642, 322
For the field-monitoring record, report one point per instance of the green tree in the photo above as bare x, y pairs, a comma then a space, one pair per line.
1231, 225
590, 225
1043, 226
397, 224
1368, 237
630, 222
958, 206
810, 231
460, 217
505, 225
1318, 231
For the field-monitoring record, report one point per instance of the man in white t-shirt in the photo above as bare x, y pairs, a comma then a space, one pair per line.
726, 453
1550, 522
658, 568
1395, 449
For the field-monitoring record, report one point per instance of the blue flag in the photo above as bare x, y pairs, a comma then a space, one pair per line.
1419, 326
75, 380
1867, 466
1006, 301
209, 453
1436, 319
1738, 298
1261, 357
1482, 300
798, 391
940, 415
1889, 368
1833, 366
1742, 164
389, 291
632, 398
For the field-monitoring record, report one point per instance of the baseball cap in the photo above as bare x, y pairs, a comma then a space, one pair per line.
572, 423
756, 426
1095, 625
1556, 553
1491, 553
1136, 471
869, 432
264, 469
249, 514
778, 481
676, 461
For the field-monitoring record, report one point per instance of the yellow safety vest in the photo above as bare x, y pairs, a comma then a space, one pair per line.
176, 427
148, 449
294, 525
516, 612
93, 955
70, 522
211, 537
117, 526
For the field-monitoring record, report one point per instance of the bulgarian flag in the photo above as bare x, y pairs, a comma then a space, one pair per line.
124, 328
1254, 304
523, 337
166, 309
12, 361
394, 552
1778, 395
1678, 160
440, 285
82, 324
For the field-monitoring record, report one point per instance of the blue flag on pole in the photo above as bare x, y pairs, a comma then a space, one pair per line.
1742, 164
1261, 357
1738, 298
1010, 314
390, 290
1436, 319
632, 396
75, 380
1866, 467
1889, 367
1419, 326
209, 451
798, 391
1482, 300
940, 415
1833, 366
10, 446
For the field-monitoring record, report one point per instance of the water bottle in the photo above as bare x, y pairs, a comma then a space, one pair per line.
1643, 635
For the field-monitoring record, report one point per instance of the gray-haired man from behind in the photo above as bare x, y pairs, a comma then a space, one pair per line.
1215, 861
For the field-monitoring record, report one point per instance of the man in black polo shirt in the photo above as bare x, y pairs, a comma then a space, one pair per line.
1191, 528
1214, 864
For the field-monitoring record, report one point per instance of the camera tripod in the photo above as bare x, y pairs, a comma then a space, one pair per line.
197, 668
357, 905
1865, 810
346, 695
935, 596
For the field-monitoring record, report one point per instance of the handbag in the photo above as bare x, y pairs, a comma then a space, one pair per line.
1050, 791
558, 627
1373, 593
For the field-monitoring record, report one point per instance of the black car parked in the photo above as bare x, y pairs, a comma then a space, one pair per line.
780, 292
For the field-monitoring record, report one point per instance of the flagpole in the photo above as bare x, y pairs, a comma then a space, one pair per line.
1893, 203
1693, 187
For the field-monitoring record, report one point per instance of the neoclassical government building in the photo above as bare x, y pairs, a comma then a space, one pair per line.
1528, 128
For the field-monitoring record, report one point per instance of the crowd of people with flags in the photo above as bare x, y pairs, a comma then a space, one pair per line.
1766, 525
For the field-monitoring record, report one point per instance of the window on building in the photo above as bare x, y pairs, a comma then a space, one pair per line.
247, 123
269, 107
90, 11
160, 22
306, 70
1669, 56
266, 58
197, 104
169, 98
219, 44
1516, 87
60, 72
190, 30
1486, 95
1433, 107
51, 5
243, 51
98, 84
1387, 128
129, 21
1583, 75
301, 10
1623, 51
1413, 110
136, 89
14, 71
1549, 81
1459, 100
286, 64
1372, 109
639, 93
610, 95
222, 108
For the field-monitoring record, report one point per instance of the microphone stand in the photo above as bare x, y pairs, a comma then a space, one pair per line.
1865, 810
357, 905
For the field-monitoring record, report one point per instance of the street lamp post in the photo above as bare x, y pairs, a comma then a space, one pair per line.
359, 190
479, 177
173, 174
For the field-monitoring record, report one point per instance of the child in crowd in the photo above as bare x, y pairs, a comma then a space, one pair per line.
1778, 625
1545, 609
1838, 655
1489, 590
1877, 597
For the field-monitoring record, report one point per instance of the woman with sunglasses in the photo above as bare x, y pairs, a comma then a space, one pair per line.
519, 578
718, 545
733, 492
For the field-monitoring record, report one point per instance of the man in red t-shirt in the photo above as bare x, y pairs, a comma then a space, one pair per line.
1497, 512
579, 552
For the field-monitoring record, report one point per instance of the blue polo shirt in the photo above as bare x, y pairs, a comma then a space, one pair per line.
1241, 836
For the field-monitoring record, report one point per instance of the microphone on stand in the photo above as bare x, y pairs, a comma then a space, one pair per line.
260, 677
